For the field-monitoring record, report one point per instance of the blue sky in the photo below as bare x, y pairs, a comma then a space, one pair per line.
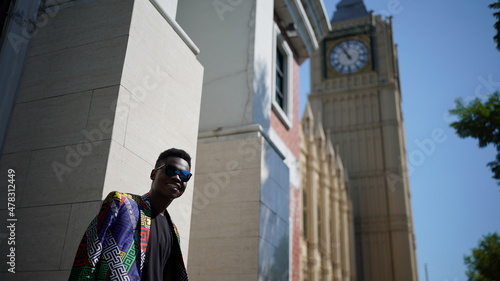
445, 51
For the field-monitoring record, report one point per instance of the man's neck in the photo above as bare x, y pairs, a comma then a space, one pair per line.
158, 203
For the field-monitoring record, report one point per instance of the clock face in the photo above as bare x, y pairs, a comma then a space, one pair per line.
348, 56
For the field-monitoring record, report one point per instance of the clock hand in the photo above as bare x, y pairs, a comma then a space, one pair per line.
346, 53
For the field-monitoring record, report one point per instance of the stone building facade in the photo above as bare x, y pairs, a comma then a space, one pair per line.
246, 211
94, 91
327, 240
356, 97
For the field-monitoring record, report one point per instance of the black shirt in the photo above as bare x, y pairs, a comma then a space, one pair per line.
159, 248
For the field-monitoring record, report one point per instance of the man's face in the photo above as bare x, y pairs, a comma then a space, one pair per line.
169, 187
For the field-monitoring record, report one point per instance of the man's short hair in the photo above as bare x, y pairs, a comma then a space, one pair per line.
173, 152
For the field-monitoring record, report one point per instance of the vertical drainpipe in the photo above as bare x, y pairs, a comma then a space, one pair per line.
18, 27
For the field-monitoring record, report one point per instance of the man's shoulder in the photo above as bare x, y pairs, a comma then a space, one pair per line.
121, 197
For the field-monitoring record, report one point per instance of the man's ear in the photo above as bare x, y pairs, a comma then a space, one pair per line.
153, 174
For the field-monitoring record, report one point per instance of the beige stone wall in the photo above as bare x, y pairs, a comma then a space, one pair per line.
108, 85
225, 224
158, 108
326, 208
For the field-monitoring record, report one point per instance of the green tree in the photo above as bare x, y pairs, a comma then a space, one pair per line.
484, 262
480, 120
496, 6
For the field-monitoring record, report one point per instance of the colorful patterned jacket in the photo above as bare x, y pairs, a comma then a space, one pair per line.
114, 245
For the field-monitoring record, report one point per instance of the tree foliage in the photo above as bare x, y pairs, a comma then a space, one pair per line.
480, 120
496, 6
484, 262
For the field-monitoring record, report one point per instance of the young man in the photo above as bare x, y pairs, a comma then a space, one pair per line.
133, 237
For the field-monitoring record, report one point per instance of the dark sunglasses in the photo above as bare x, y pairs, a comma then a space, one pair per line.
171, 171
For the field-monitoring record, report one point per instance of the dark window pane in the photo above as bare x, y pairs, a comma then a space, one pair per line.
280, 97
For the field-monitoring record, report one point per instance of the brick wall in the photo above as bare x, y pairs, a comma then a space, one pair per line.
290, 137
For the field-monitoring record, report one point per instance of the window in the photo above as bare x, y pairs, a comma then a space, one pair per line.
282, 101
280, 80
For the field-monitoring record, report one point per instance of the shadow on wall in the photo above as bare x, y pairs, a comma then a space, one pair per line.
262, 95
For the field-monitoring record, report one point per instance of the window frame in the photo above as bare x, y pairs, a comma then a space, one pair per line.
280, 45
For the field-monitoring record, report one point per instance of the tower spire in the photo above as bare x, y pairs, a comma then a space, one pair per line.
350, 9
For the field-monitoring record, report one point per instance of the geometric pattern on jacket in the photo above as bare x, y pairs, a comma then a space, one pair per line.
115, 243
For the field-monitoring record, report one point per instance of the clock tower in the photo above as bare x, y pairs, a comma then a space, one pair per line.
355, 93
